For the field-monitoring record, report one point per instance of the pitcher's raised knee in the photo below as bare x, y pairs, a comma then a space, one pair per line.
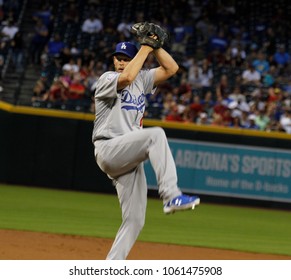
158, 133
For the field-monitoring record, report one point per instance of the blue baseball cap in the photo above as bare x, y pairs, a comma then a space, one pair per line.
127, 48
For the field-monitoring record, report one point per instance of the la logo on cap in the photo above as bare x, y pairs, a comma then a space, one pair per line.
123, 46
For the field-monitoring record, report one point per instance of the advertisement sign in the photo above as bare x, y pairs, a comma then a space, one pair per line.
230, 170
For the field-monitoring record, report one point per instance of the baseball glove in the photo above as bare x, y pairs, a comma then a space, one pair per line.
150, 34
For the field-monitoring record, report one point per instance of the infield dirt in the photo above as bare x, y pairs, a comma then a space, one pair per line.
25, 245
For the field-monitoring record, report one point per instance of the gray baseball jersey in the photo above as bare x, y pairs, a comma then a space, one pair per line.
120, 112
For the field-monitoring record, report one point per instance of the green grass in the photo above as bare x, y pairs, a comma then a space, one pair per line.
91, 214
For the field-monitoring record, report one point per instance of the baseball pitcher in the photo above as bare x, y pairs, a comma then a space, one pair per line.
122, 145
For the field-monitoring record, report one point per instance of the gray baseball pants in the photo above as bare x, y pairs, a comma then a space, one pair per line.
121, 158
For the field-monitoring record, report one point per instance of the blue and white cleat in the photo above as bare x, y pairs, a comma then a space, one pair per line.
181, 202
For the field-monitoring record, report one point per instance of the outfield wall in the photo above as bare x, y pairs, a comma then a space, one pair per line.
50, 148
49, 151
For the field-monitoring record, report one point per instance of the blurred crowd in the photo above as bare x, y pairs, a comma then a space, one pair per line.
234, 58
10, 37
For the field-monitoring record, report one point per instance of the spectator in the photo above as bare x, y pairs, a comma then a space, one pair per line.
39, 91
124, 27
217, 120
207, 103
195, 108
86, 58
54, 49
281, 58
65, 55
92, 25
186, 98
154, 105
257, 101
227, 117
236, 94
174, 114
286, 87
223, 88
218, 42
236, 122
168, 103
180, 37
244, 118
99, 68
55, 46
242, 38
195, 76
219, 107
44, 13
8, 31
274, 111
270, 77
84, 72
207, 76
238, 54
38, 41
66, 76
285, 120
262, 120
57, 94
203, 119
261, 64
274, 93
251, 77
71, 67
17, 46
74, 49
76, 93
251, 123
